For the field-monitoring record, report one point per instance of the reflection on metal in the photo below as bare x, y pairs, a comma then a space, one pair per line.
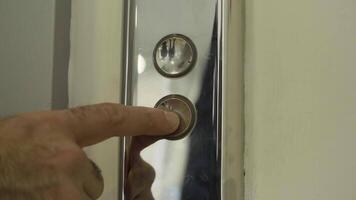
231, 20
208, 163
174, 55
186, 111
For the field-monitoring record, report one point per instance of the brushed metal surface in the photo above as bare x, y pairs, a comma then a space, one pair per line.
208, 164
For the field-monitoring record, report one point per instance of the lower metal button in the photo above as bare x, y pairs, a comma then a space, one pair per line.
186, 111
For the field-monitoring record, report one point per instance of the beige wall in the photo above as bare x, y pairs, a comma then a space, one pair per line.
94, 73
300, 100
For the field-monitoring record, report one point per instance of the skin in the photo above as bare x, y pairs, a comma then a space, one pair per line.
41, 154
140, 174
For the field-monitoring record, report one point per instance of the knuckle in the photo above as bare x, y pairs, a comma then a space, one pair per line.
108, 112
142, 172
76, 155
140, 180
95, 184
69, 159
149, 172
112, 113
31, 125
79, 113
28, 122
96, 171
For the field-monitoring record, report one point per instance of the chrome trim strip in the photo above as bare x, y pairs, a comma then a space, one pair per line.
126, 81
231, 29
126, 90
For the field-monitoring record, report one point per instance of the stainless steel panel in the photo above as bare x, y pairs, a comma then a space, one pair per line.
197, 166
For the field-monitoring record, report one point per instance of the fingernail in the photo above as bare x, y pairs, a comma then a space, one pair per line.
173, 120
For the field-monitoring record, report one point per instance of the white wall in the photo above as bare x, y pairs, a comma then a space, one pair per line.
300, 100
94, 73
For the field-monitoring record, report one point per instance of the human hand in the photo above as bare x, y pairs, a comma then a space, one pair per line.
41, 154
140, 175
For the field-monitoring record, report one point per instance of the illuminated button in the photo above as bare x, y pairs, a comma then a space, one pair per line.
185, 110
174, 55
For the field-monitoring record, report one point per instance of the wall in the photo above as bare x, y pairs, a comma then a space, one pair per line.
34, 54
300, 100
94, 72
26, 55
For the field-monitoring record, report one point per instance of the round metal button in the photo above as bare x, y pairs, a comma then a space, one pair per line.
174, 55
185, 110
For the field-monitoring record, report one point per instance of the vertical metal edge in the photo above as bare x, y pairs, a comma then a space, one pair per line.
126, 90
232, 54
219, 91
126, 63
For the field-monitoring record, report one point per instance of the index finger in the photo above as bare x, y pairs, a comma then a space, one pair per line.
94, 123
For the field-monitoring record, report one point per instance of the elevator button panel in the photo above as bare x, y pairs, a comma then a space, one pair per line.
185, 110
173, 61
174, 55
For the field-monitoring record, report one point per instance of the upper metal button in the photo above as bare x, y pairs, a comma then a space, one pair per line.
174, 55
